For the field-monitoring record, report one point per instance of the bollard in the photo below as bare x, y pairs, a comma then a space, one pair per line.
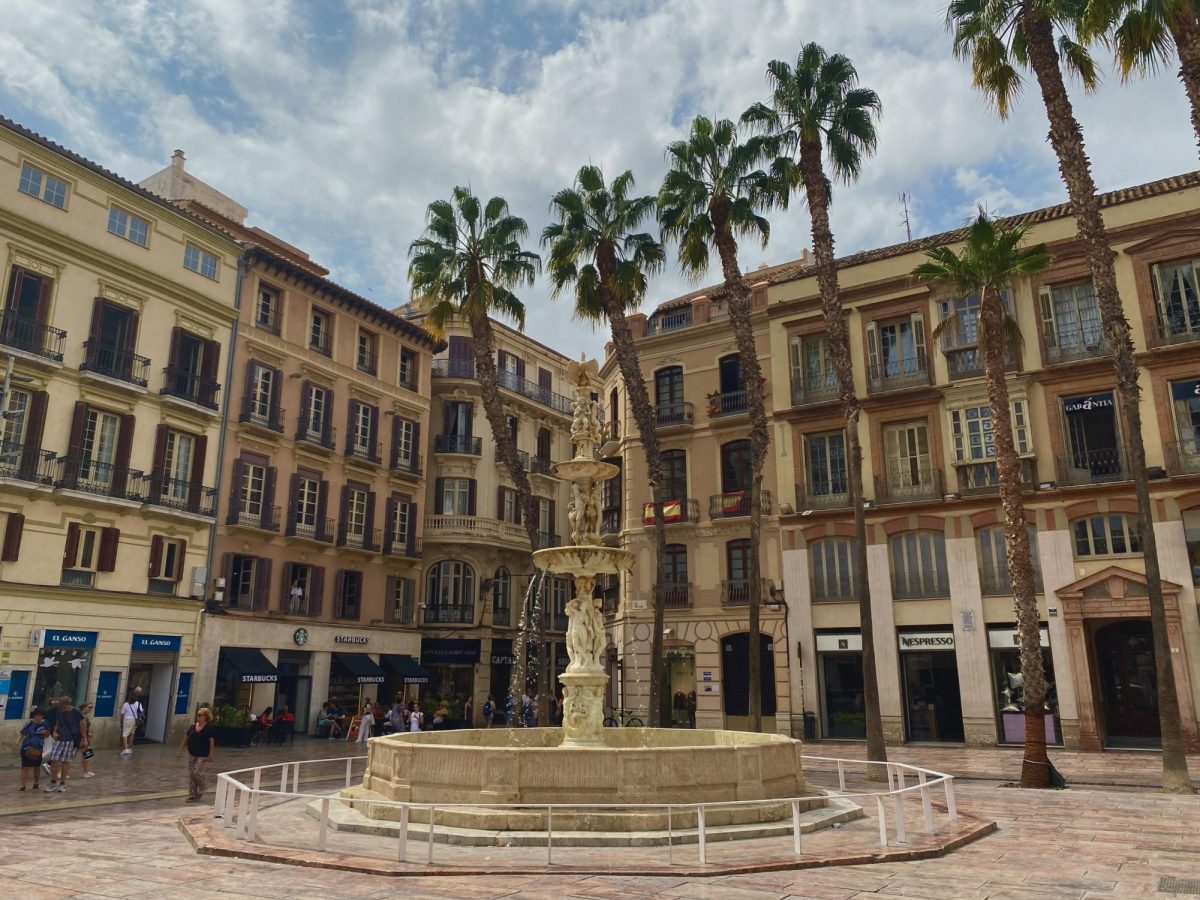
841, 777
349, 763
402, 850
700, 834
549, 831
951, 810
796, 826
901, 834
323, 828
926, 804
883, 842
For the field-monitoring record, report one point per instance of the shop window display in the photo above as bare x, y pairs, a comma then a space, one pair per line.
1008, 684
62, 671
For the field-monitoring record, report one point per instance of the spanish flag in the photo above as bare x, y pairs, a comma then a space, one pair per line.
672, 512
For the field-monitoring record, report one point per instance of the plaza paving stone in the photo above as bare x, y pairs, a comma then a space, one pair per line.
117, 835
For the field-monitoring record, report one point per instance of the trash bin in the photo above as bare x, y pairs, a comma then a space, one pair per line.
810, 726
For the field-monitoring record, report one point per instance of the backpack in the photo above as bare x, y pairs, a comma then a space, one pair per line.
487, 709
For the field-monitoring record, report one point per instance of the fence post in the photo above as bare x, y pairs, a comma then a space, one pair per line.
700, 833
926, 805
951, 810
252, 823
296, 778
796, 826
283, 778
841, 777
670, 842
231, 809
349, 763
323, 828
402, 850
882, 823
549, 832
219, 798
432, 814
898, 804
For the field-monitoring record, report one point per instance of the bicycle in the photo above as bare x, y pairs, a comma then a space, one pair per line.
622, 718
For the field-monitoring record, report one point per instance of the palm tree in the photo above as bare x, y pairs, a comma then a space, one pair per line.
466, 266
997, 36
712, 195
597, 252
1146, 34
817, 108
992, 258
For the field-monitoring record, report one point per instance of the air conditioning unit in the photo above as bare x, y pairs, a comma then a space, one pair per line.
199, 582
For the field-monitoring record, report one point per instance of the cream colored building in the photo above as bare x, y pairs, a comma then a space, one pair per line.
117, 319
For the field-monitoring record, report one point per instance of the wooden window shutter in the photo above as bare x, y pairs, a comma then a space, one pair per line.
14, 527
391, 607
370, 518
339, 589
396, 420
316, 590
43, 305
553, 518
107, 559
236, 483
209, 363
439, 496
227, 574
75, 439
873, 350
276, 392
327, 419
131, 342
351, 416
262, 583
374, 448
156, 552
199, 457
344, 504
293, 502
1046, 306
472, 484
181, 558
412, 528
94, 327
545, 379
35, 419
158, 467
268, 508
500, 503
520, 368
120, 479
306, 392
918, 326
520, 512
173, 352
389, 520
416, 442
71, 551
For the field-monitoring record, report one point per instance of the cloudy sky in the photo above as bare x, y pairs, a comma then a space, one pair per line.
337, 121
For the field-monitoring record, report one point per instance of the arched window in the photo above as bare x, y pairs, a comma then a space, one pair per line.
1107, 535
668, 387
833, 562
993, 561
919, 565
502, 598
735, 466
674, 484
450, 592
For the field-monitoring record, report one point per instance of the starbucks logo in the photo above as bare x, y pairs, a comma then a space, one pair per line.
300, 636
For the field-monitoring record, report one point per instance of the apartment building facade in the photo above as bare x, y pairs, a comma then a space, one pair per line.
477, 561
117, 321
690, 364
944, 624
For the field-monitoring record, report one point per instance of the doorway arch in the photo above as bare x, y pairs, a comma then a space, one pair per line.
1128, 683
735, 675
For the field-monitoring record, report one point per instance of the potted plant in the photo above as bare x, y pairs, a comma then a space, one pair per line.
232, 726
714, 403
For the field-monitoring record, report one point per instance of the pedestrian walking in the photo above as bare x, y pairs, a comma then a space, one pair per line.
366, 723
489, 710
415, 718
469, 712
87, 753
33, 738
201, 747
70, 734
132, 715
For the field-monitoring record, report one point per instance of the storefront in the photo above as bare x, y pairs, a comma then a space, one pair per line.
354, 679
294, 688
450, 663
929, 674
503, 659
1008, 686
153, 668
735, 681
840, 677
404, 678
64, 666
245, 679
679, 687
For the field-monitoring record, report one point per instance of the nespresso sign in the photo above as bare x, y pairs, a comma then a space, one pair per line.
350, 639
932, 640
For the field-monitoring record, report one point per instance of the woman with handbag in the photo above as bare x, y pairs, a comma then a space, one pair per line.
33, 739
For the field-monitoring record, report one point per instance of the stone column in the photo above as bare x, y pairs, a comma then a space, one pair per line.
970, 647
1058, 570
887, 655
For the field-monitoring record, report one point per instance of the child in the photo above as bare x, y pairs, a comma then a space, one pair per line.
33, 739
88, 752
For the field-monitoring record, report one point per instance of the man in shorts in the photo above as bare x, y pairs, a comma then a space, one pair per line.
132, 713
70, 733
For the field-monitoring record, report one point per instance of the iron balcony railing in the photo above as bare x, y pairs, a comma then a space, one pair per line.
313, 529
347, 610
677, 594
404, 546
25, 463
675, 511
670, 321
612, 431
547, 539
185, 496
323, 435
998, 584
32, 336
465, 368
820, 391
736, 503
501, 616
832, 495
453, 368
115, 362
265, 415
367, 361
367, 451
906, 484
522, 459
895, 374
189, 386
364, 539
269, 323
458, 443
406, 465
1182, 457
968, 362
450, 615
540, 465
919, 587
727, 403
265, 519
983, 478
1073, 343
670, 415
81, 473
1173, 329
1093, 466
610, 520
736, 592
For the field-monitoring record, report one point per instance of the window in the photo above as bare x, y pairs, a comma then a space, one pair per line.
826, 464
456, 496
545, 516
318, 412
200, 261
545, 443
906, 448
676, 564
1185, 398
320, 331
406, 434
267, 308
919, 565
98, 449
896, 350
127, 225
993, 561
1176, 298
26, 310
833, 569
178, 454
502, 598
560, 594
974, 442
1094, 446
88, 550
364, 427
241, 583
166, 564
735, 467
737, 563
12, 427
112, 339
1107, 535
674, 484
450, 592
512, 425
263, 383
356, 513
308, 504
367, 356
251, 495
408, 368
37, 183
811, 367
304, 589
349, 596
458, 416
401, 522
668, 388
509, 506
1070, 318
1191, 532
401, 603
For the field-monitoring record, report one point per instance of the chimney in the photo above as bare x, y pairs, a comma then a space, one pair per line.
805, 257
177, 159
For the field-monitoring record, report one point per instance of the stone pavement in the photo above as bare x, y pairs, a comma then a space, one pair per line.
111, 836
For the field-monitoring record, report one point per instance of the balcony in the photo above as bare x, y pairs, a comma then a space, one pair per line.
610, 520
669, 321
269, 320
897, 374
612, 432
823, 391
1093, 467
32, 336
677, 594
347, 610
546, 539
722, 405
81, 473
968, 362
458, 443
1075, 343
479, 527
453, 368
998, 584
402, 546
406, 465
501, 615
1182, 457
919, 587
980, 479
264, 415
737, 503
522, 459
539, 465
910, 484
266, 518
367, 361
23, 463
822, 496
465, 368
323, 435
311, 529
115, 362
450, 615
673, 415
366, 539
182, 496
364, 451
736, 592
1172, 330
675, 512
189, 386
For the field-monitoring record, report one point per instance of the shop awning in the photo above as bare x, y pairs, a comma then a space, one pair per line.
363, 669
406, 667
251, 664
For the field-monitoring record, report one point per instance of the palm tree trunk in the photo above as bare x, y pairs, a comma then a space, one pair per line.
738, 297
482, 345
1067, 139
643, 414
1035, 768
1186, 32
838, 339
